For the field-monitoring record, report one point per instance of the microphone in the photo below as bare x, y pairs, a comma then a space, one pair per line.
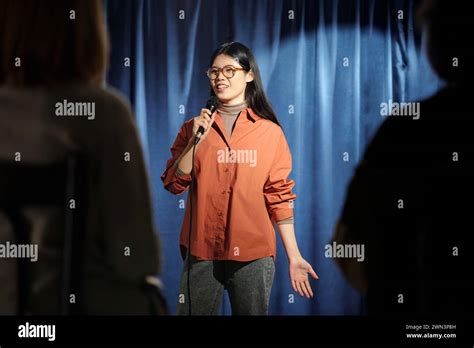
211, 104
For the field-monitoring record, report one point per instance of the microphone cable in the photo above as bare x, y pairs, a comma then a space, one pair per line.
191, 190
211, 105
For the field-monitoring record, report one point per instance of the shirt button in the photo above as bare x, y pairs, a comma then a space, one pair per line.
219, 213
224, 192
226, 170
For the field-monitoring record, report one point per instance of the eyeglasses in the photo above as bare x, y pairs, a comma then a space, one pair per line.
228, 71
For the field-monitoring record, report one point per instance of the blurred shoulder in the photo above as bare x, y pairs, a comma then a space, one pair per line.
109, 100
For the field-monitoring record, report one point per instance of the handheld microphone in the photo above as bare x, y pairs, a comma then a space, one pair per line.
211, 104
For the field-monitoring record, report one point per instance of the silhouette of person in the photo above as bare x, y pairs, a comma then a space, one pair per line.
410, 200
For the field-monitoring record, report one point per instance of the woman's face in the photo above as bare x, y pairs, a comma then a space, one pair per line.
229, 90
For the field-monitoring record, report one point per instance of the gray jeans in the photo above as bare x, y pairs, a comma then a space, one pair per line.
248, 283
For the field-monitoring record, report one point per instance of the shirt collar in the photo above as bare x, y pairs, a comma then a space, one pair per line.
252, 115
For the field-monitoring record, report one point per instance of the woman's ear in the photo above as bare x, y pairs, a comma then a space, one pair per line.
250, 76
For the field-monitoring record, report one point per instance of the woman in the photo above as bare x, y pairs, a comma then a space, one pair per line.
241, 166
53, 53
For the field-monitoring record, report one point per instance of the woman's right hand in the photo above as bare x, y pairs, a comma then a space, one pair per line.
205, 119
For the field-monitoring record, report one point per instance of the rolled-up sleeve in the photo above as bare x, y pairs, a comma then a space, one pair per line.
278, 188
173, 181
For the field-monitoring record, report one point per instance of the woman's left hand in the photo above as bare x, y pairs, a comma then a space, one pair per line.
299, 269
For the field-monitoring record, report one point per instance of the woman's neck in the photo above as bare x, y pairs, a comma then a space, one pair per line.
234, 109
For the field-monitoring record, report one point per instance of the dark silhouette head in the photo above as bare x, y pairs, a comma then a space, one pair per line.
449, 26
52, 42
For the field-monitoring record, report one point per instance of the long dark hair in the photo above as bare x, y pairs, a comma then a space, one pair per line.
254, 93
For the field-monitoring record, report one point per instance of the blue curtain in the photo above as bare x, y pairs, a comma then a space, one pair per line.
326, 66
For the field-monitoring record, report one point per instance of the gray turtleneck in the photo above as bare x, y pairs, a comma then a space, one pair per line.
229, 114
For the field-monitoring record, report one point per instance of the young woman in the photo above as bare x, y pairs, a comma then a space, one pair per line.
241, 168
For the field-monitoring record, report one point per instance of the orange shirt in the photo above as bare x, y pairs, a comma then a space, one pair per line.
241, 184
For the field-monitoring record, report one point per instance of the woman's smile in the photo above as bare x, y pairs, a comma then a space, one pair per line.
221, 87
